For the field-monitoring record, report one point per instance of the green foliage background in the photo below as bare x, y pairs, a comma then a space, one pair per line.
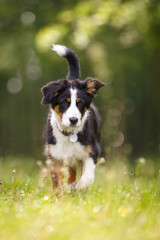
117, 41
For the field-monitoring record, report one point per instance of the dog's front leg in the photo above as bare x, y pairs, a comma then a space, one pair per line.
87, 177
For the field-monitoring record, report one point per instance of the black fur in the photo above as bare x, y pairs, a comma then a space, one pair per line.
74, 67
90, 134
58, 91
48, 133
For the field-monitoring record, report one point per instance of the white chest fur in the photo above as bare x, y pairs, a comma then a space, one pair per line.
67, 151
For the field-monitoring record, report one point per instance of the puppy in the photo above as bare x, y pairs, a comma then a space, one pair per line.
72, 131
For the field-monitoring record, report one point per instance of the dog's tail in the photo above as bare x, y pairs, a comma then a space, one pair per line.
74, 67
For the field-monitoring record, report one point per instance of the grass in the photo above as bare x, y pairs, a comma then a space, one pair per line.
123, 203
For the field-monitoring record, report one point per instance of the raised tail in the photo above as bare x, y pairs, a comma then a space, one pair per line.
73, 62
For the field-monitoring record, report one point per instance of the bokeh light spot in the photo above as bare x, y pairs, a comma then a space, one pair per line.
33, 72
14, 85
118, 140
28, 18
113, 117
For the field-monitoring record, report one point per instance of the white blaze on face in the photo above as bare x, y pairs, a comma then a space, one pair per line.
72, 111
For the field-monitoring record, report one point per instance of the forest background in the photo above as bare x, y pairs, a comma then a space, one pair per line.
117, 42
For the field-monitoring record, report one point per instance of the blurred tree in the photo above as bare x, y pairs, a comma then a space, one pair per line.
116, 41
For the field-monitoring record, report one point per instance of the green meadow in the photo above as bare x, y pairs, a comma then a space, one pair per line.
123, 203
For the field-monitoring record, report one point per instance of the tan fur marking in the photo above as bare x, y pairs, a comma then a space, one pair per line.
91, 91
56, 109
56, 174
72, 175
56, 93
78, 100
48, 153
88, 149
84, 112
90, 84
91, 87
68, 100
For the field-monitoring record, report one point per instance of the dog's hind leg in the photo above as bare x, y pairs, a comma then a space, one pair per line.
56, 173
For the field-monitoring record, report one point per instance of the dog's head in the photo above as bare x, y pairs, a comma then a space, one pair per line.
70, 100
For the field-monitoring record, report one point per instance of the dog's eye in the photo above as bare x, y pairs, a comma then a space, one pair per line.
65, 103
80, 104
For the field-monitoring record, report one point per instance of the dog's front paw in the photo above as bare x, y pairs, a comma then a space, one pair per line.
84, 182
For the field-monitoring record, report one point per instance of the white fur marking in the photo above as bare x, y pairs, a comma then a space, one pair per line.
87, 177
60, 49
67, 151
72, 111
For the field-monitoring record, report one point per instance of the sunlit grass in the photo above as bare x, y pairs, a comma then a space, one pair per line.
123, 203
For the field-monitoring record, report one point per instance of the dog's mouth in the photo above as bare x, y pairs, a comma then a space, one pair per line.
73, 125
70, 128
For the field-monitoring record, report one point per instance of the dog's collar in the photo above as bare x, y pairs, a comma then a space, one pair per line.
65, 133
73, 136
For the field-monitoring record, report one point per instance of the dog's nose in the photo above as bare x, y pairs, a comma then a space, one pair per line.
73, 120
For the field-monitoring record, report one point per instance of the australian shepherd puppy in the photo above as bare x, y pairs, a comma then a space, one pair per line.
72, 131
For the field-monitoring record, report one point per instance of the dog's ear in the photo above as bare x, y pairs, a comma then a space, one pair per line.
52, 89
92, 85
